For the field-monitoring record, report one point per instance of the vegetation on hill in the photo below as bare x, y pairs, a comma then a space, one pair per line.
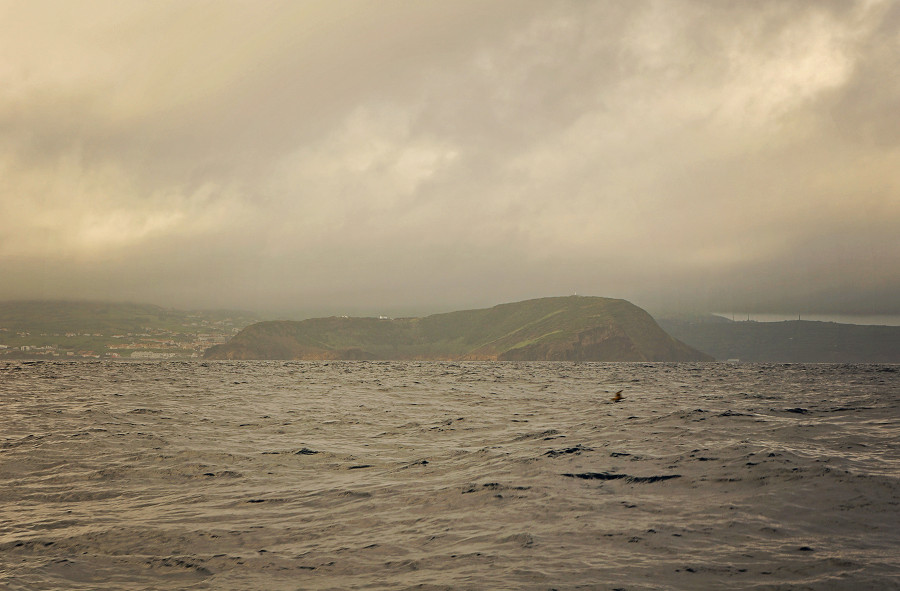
564, 328
793, 341
48, 329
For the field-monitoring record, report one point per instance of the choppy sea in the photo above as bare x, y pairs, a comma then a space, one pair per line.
432, 475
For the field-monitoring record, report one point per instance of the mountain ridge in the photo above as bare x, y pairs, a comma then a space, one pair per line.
789, 341
570, 328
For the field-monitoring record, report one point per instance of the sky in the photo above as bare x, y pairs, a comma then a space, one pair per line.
401, 157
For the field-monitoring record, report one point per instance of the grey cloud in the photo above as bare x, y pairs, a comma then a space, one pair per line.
325, 157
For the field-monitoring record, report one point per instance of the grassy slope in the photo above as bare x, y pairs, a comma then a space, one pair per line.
547, 328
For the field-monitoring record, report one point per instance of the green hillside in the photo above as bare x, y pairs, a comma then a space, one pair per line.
793, 341
565, 328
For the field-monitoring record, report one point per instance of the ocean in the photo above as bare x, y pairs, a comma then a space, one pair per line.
440, 475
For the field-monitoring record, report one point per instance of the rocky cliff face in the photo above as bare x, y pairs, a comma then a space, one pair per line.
547, 329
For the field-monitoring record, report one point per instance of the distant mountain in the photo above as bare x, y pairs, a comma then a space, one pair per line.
793, 341
563, 328
80, 316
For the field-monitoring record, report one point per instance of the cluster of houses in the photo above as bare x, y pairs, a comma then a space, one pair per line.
167, 340
144, 346
49, 351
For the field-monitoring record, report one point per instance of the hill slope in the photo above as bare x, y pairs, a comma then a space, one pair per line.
565, 328
793, 341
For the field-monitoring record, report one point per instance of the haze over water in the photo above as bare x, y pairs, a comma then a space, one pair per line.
395, 475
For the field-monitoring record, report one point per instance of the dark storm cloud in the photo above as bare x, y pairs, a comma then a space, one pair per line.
413, 157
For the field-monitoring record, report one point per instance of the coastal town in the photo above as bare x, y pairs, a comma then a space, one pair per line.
170, 335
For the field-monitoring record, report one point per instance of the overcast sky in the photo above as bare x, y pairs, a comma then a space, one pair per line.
413, 157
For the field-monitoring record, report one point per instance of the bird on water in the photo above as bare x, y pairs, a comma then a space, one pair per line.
617, 397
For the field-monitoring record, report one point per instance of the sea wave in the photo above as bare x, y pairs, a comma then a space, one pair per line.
428, 475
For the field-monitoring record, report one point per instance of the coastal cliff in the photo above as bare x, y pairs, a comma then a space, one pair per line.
572, 328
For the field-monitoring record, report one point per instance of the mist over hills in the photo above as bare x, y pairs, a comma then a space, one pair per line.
574, 328
791, 341
96, 316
